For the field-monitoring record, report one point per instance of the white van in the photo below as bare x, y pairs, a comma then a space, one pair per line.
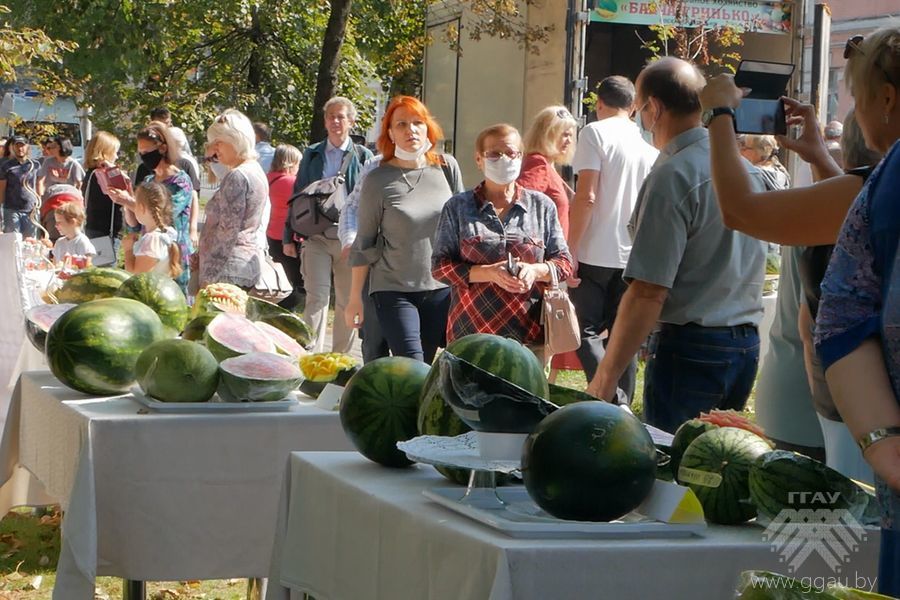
27, 113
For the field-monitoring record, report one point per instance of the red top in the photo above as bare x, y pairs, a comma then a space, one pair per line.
281, 186
539, 175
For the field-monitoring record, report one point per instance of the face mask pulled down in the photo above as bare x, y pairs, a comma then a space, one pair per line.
504, 170
407, 155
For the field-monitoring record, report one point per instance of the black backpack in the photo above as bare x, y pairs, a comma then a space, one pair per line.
312, 210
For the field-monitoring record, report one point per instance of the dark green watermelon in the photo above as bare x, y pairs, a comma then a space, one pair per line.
502, 357
589, 461
716, 465
563, 396
230, 334
160, 293
92, 284
196, 328
291, 324
257, 377
258, 309
39, 320
784, 480
379, 407
177, 371
93, 348
684, 435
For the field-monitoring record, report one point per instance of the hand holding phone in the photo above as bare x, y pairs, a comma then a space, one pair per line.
511, 265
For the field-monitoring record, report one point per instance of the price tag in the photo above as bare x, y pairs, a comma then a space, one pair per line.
701, 478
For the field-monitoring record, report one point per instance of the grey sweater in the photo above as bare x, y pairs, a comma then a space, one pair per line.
399, 211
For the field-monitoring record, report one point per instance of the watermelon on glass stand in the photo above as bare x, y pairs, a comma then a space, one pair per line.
177, 371
379, 407
93, 348
257, 377
160, 293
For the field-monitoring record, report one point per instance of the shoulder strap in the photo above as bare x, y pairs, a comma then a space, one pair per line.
448, 172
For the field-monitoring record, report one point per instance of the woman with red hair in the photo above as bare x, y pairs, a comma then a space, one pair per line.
399, 207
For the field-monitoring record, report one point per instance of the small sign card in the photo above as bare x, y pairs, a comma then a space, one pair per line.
330, 397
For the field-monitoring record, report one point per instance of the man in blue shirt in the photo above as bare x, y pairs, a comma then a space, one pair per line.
18, 182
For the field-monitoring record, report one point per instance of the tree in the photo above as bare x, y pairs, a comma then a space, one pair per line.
326, 81
28, 50
501, 19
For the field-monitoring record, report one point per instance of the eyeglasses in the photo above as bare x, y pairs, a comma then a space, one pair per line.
493, 155
854, 45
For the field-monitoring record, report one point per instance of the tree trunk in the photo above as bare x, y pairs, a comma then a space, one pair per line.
326, 81
254, 69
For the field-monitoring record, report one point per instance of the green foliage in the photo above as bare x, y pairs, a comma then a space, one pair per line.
32, 52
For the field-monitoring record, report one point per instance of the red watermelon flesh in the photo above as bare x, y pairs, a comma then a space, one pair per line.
257, 377
40, 319
230, 335
285, 343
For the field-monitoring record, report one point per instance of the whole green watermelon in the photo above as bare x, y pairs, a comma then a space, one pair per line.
501, 356
160, 293
177, 371
379, 407
589, 461
93, 348
92, 284
716, 465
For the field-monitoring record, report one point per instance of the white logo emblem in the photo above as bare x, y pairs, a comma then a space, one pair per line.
833, 534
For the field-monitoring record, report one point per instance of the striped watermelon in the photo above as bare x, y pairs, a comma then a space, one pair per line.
716, 465
379, 407
230, 334
501, 356
93, 348
784, 480
177, 371
257, 377
160, 293
92, 284
686, 433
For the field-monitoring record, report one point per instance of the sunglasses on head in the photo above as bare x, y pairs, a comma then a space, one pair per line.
562, 113
854, 46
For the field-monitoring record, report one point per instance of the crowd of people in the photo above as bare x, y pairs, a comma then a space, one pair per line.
662, 244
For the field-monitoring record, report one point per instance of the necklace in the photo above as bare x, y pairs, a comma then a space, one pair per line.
412, 186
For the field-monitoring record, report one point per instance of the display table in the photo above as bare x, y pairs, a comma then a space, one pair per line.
352, 530
153, 496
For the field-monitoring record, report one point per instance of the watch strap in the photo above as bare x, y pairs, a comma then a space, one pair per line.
876, 435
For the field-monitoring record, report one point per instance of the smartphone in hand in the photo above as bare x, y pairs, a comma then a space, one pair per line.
511, 265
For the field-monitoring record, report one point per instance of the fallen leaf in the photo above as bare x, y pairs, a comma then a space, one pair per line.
34, 584
44, 561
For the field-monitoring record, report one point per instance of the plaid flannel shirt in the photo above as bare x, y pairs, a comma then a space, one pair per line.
470, 233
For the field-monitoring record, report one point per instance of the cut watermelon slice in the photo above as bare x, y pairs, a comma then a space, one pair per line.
257, 377
40, 319
230, 335
283, 342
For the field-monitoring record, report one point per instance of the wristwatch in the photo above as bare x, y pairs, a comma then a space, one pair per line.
876, 435
711, 113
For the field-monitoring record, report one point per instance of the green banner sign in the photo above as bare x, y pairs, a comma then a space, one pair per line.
745, 15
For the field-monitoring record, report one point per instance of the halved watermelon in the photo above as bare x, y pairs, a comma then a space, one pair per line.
257, 377
220, 297
283, 342
40, 319
230, 335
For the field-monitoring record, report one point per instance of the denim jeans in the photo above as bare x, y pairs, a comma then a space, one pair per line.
18, 221
889, 557
414, 323
692, 369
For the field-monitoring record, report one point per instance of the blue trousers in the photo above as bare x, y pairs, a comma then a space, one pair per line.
18, 221
692, 369
414, 323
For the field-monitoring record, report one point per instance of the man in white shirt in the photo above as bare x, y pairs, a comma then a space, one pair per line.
611, 160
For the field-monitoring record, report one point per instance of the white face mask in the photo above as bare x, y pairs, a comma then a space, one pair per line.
646, 133
504, 170
407, 155
219, 170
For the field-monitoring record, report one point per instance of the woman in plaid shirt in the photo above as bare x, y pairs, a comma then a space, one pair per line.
477, 233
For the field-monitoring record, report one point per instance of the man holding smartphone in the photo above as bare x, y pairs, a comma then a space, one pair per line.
694, 283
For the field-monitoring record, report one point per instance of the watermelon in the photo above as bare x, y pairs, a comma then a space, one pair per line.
160, 293
784, 480
39, 320
284, 343
93, 348
379, 407
258, 309
589, 461
563, 396
684, 435
716, 465
230, 334
92, 284
257, 377
177, 371
291, 324
502, 357
323, 368
220, 297
196, 328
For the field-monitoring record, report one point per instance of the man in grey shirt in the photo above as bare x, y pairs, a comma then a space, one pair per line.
697, 283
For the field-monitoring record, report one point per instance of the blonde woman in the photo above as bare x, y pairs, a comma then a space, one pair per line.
103, 216
762, 152
158, 152
550, 142
230, 243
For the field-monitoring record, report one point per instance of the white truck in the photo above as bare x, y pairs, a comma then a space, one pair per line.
29, 114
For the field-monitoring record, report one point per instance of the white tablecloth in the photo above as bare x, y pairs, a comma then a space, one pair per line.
153, 496
351, 530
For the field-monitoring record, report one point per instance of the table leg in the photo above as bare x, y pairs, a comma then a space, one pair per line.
133, 590
256, 588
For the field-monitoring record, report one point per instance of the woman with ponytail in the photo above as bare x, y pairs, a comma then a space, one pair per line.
157, 249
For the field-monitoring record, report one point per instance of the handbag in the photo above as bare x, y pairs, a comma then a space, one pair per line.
317, 207
273, 284
561, 330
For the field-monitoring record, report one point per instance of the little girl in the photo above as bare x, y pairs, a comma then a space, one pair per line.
156, 250
69, 218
